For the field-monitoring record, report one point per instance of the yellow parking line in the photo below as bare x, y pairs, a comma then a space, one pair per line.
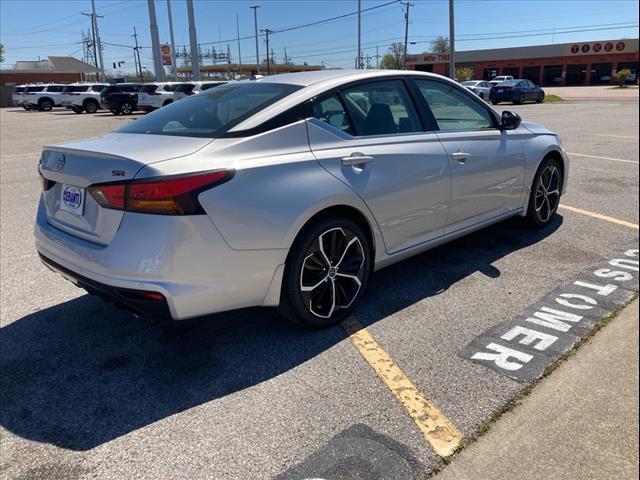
437, 429
599, 216
602, 158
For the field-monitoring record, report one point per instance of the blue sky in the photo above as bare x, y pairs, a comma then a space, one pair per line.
54, 27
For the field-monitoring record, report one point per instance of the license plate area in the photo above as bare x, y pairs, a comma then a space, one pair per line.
72, 199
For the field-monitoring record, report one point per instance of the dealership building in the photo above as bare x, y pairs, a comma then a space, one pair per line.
578, 63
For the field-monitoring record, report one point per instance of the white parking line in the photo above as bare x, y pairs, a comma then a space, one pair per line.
615, 136
603, 158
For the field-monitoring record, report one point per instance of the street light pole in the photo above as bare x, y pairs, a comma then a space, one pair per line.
173, 43
452, 43
155, 42
359, 61
406, 33
238, 32
95, 23
193, 40
255, 22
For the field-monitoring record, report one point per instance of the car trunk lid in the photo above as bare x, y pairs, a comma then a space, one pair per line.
68, 170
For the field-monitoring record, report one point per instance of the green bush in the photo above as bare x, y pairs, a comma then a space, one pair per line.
621, 76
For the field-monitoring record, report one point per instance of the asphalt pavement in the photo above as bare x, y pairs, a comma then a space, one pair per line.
88, 391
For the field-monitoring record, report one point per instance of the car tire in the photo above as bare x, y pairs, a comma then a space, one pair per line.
519, 100
315, 260
545, 193
76, 109
126, 108
494, 102
45, 105
540, 98
91, 106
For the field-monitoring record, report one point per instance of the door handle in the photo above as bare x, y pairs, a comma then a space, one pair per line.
461, 156
356, 159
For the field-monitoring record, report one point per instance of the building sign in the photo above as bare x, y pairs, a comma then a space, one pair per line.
428, 58
165, 52
592, 48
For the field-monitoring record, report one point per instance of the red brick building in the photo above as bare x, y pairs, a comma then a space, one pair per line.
577, 63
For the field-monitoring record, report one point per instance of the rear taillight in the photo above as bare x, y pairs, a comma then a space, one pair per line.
161, 196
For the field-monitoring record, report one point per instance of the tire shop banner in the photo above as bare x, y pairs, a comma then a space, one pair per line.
523, 347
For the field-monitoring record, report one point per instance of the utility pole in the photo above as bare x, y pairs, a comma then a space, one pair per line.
193, 39
238, 32
452, 43
359, 61
137, 53
377, 58
99, 45
173, 43
93, 38
255, 22
267, 32
406, 32
155, 42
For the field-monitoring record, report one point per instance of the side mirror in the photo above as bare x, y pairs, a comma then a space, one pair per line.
510, 120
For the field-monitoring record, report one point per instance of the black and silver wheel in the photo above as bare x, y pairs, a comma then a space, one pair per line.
545, 195
540, 98
126, 108
326, 273
45, 105
91, 106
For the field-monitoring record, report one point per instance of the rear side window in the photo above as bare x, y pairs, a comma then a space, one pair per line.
212, 113
381, 108
34, 89
170, 88
148, 88
185, 88
54, 88
75, 88
97, 88
330, 111
454, 109
18, 89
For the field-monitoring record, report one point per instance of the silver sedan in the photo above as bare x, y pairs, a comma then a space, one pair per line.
287, 191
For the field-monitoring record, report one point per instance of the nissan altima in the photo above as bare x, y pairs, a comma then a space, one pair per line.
287, 191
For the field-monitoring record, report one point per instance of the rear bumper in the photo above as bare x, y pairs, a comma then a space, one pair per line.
139, 302
184, 258
502, 97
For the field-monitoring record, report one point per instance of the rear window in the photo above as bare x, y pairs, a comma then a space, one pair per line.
207, 86
34, 89
148, 88
212, 113
75, 88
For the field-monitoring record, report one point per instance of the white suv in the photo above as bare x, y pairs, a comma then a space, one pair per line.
155, 95
502, 78
194, 88
82, 97
42, 97
16, 94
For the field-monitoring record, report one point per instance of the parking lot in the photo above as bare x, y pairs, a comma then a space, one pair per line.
89, 391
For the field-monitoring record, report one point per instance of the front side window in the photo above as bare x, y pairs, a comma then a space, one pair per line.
381, 108
212, 113
54, 88
330, 111
34, 89
454, 109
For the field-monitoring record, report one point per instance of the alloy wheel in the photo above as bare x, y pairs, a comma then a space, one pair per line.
332, 272
547, 194
126, 108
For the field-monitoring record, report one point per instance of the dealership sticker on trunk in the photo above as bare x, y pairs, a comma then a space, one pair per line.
523, 347
72, 199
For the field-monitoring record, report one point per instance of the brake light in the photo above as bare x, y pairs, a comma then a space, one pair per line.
162, 196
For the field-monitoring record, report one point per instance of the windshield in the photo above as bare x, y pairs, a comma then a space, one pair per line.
148, 88
18, 89
211, 113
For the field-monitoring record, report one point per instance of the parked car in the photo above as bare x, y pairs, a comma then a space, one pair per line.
479, 87
16, 94
42, 97
155, 95
498, 80
516, 91
193, 88
121, 98
286, 192
83, 97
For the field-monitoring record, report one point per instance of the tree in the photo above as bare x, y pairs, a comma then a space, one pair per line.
621, 77
1, 53
393, 59
464, 73
440, 45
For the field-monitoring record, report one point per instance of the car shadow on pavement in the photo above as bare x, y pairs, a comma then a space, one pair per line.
82, 373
